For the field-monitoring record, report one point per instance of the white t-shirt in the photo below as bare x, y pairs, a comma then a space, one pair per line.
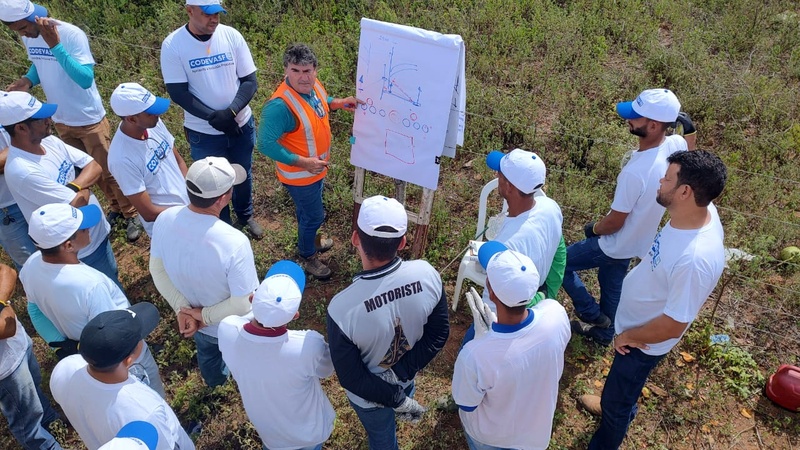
148, 165
275, 372
38, 180
635, 194
13, 351
675, 278
70, 295
511, 376
211, 68
76, 106
535, 233
98, 410
6, 199
206, 259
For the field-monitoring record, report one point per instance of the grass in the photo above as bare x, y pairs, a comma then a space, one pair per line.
541, 75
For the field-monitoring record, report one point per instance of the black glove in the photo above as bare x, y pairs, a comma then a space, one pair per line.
588, 230
65, 348
684, 125
224, 120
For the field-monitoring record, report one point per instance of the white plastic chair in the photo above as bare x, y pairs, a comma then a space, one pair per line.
470, 268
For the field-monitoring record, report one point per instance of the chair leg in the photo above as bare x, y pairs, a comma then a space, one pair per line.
459, 281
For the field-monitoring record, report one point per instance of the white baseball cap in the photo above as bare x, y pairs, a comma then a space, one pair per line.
524, 169
379, 211
137, 435
208, 6
213, 176
14, 10
656, 104
513, 277
16, 106
129, 99
277, 299
51, 225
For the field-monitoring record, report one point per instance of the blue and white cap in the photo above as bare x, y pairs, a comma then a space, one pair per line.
129, 99
660, 105
16, 107
512, 276
14, 10
524, 169
277, 299
51, 225
208, 6
137, 435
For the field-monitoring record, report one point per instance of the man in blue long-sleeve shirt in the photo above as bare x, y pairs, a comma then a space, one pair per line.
386, 326
63, 64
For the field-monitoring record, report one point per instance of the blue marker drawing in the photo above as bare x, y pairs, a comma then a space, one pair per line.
390, 84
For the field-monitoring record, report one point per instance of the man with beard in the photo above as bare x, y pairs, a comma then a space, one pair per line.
628, 229
663, 294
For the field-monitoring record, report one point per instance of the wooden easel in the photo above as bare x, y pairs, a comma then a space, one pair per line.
421, 219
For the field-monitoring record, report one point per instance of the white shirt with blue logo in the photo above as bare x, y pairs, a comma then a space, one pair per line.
38, 180
675, 278
77, 106
211, 68
148, 165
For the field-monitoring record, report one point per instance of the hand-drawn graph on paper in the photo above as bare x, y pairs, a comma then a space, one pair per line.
406, 78
391, 85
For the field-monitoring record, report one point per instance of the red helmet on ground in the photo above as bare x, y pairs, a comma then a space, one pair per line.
783, 387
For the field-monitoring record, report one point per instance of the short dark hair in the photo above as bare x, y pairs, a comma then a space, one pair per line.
299, 54
378, 248
52, 251
701, 170
200, 202
10, 128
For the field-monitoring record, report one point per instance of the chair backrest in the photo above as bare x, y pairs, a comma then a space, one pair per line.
482, 204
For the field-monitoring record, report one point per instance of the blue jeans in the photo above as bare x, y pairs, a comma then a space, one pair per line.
209, 358
584, 255
237, 150
624, 384
102, 259
25, 406
14, 235
310, 214
475, 445
380, 424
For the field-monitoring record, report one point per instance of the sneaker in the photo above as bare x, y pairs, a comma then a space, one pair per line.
323, 244
133, 229
601, 322
252, 227
591, 403
593, 332
113, 216
315, 267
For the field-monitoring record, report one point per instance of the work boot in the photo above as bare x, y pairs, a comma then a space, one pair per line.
252, 227
133, 229
591, 403
323, 244
316, 268
601, 322
593, 332
112, 217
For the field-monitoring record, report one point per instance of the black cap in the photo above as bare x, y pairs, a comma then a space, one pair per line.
112, 336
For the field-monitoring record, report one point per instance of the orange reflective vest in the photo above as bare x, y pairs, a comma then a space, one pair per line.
311, 138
